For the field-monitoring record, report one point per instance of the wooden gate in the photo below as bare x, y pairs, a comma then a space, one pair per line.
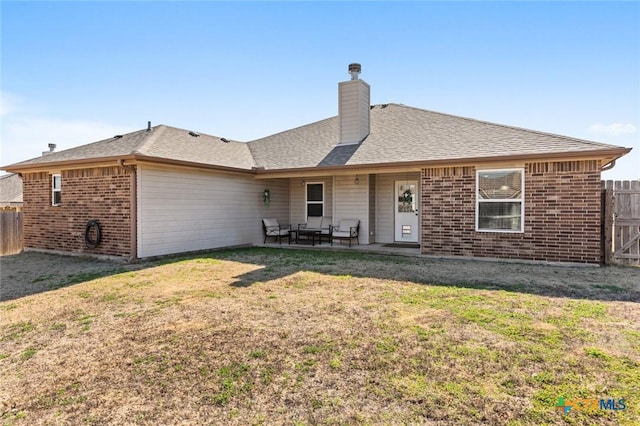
621, 228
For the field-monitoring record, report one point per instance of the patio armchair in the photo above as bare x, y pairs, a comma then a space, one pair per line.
272, 228
347, 229
320, 223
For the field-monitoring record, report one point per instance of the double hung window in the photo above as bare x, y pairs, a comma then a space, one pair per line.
56, 190
315, 199
500, 200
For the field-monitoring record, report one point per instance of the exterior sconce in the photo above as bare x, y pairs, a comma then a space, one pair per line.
356, 180
266, 197
304, 182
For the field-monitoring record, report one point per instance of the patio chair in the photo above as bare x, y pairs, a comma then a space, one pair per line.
321, 223
272, 228
348, 229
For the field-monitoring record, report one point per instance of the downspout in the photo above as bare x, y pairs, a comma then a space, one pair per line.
608, 166
133, 207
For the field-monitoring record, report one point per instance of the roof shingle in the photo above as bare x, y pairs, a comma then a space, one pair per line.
163, 142
405, 134
10, 189
398, 134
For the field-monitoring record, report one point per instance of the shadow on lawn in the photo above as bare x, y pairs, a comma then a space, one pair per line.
30, 273
592, 283
605, 284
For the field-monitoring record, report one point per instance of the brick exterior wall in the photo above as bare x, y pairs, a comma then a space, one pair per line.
101, 194
561, 219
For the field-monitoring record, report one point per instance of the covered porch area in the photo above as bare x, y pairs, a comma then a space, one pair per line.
385, 204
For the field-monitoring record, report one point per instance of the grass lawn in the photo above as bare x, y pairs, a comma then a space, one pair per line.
267, 336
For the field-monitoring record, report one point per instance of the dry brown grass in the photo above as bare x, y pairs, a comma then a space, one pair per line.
263, 336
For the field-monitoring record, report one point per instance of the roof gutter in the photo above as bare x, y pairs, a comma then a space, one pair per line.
85, 163
609, 154
93, 162
160, 160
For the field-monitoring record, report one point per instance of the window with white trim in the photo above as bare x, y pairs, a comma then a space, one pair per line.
56, 190
315, 199
500, 200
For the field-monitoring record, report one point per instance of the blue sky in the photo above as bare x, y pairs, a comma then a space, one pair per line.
77, 72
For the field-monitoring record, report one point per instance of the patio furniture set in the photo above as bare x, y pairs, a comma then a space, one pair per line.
315, 230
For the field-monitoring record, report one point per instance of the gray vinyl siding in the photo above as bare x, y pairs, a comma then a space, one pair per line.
352, 202
279, 207
372, 208
385, 204
186, 210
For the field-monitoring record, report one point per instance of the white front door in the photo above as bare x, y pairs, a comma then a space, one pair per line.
406, 208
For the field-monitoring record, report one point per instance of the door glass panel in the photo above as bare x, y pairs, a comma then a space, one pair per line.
406, 198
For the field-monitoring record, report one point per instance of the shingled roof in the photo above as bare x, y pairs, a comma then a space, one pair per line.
10, 189
399, 134
405, 134
159, 143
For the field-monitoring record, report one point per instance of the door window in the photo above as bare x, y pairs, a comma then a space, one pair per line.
406, 198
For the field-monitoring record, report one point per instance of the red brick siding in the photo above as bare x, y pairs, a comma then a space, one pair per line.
100, 193
562, 214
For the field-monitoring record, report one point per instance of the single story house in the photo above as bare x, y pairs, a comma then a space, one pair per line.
455, 185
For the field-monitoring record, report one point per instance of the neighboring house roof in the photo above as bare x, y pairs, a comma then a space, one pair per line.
405, 134
398, 134
10, 189
160, 143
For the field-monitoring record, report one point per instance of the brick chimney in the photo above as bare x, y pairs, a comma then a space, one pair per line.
353, 108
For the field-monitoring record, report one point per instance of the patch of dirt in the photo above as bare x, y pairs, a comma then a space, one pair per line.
33, 272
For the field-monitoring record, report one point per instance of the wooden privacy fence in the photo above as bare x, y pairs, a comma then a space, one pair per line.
621, 222
10, 232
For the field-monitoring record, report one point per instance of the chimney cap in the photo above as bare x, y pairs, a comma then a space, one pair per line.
52, 147
355, 69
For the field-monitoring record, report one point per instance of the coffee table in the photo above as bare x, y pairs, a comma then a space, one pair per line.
310, 234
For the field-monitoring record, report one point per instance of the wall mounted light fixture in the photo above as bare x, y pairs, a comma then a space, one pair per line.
356, 180
266, 198
304, 182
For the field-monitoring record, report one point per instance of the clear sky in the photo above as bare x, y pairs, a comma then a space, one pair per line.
77, 72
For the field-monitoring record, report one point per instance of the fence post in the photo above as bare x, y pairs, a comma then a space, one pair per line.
608, 211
